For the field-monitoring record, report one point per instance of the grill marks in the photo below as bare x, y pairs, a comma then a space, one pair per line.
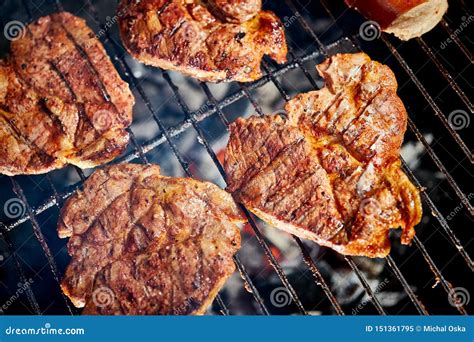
54, 119
19, 145
271, 140
286, 182
97, 81
66, 83
331, 171
213, 41
84, 124
155, 244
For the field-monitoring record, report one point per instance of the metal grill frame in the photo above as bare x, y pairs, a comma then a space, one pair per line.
214, 107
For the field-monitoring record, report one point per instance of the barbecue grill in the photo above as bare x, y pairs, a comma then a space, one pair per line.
181, 123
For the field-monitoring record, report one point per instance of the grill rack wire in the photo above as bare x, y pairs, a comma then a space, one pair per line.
215, 107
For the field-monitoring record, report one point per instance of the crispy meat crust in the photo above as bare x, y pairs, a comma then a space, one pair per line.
330, 171
61, 99
219, 40
142, 243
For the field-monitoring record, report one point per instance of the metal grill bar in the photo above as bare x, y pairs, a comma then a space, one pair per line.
249, 282
454, 185
29, 292
430, 262
251, 100
366, 286
455, 38
194, 118
418, 305
130, 76
302, 21
224, 311
309, 261
273, 261
174, 131
138, 148
211, 153
247, 93
439, 277
213, 101
80, 174
302, 67
452, 82
184, 164
186, 111
315, 271
414, 299
55, 191
436, 213
420, 137
428, 98
464, 6
275, 82
40, 237
417, 83
358, 273
318, 276
4, 236
306, 255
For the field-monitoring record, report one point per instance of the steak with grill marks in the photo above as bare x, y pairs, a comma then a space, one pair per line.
330, 171
215, 40
61, 99
142, 243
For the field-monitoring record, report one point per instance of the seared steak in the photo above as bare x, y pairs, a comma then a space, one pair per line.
61, 100
330, 171
216, 40
142, 243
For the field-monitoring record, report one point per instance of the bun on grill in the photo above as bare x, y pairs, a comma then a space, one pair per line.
406, 19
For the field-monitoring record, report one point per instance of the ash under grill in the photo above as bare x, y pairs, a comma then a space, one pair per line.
181, 123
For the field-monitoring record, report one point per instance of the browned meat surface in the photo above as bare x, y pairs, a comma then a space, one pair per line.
61, 100
216, 40
142, 243
330, 172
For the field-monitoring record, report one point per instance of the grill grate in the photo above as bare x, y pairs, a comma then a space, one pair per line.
446, 285
214, 107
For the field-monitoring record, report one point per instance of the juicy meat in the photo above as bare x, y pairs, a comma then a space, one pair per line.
216, 40
235, 10
61, 99
142, 243
330, 171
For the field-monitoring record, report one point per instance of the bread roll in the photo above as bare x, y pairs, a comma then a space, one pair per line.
406, 19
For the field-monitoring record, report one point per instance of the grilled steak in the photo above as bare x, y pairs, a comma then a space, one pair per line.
217, 40
61, 100
142, 243
330, 171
